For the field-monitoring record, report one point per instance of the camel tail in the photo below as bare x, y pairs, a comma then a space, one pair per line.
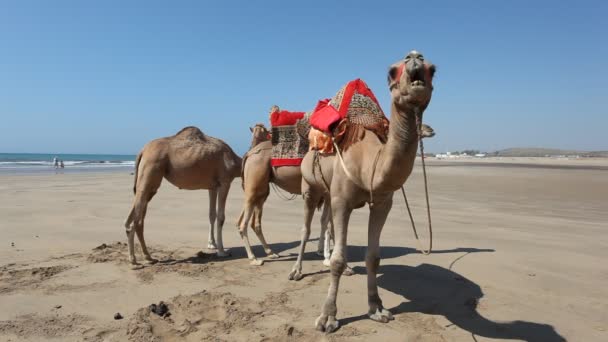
243, 169
137, 160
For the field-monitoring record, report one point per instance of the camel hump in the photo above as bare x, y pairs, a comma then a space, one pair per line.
191, 132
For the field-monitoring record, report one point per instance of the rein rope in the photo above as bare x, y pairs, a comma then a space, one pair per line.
281, 195
407, 205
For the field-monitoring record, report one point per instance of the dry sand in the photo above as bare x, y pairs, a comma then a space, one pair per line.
520, 254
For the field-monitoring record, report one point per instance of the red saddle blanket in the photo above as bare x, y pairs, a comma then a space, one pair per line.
289, 138
354, 109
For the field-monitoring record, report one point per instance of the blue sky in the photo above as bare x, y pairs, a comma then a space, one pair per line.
108, 76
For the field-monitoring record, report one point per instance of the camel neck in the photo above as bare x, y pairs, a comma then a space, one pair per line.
398, 155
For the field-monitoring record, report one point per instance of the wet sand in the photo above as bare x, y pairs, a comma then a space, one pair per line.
519, 255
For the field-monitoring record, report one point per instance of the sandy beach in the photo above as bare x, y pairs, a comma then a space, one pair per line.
518, 255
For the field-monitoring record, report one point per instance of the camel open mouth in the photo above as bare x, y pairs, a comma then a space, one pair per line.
417, 79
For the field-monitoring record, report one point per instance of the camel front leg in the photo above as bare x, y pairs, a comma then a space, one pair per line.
327, 231
212, 218
309, 210
221, 218
377, 218
341, 214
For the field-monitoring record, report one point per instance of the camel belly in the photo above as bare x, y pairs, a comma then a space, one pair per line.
192, 179
288, 178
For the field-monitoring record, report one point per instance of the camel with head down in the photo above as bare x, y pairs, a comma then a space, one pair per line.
189, 160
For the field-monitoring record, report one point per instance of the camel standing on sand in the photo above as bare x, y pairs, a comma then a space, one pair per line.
260, 173
385, 167
189, 160
257, 174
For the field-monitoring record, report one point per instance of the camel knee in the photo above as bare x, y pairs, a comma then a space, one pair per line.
212, 217
338, 265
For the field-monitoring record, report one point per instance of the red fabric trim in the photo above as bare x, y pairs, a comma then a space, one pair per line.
358, 86
286, 162
285, 118
324, 116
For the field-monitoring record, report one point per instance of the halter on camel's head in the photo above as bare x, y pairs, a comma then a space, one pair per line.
411, 82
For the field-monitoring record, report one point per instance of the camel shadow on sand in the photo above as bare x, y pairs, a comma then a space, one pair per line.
355, 254
435, 290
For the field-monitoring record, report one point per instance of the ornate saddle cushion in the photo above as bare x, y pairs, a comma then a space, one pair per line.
289, 137
347, 115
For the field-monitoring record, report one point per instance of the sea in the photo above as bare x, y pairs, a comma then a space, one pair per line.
15, 163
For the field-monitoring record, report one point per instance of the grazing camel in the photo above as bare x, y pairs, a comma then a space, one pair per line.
385, 167
257, 174
189, 160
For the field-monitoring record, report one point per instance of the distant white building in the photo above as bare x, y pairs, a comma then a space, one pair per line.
480, 155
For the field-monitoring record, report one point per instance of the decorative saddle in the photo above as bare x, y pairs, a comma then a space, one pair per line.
345, 118
289, 137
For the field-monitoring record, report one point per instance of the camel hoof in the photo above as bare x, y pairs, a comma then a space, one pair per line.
326, 263
348, 271
211, 245
151, 261
273, 256
224, 254
382, 316
295, 275
136, 267
326, 324
256, 262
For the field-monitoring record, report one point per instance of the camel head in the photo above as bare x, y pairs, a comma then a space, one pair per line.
411, 82
259, 133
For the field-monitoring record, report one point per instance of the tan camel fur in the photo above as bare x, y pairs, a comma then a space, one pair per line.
411, 87
257, 174
189, 160
310, 202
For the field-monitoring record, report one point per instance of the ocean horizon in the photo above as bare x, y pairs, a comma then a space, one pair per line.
43, 162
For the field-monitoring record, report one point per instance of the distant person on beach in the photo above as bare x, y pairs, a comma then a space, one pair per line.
61, 165
56, 162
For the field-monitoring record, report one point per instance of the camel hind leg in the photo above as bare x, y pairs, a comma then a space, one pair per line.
257, 228
147, 185
310, 204
221, 218
212, 218
246, 215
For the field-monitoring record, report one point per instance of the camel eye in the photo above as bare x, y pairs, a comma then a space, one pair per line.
432, 70
421, 57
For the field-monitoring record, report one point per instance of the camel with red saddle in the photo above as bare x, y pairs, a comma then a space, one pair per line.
368, 168
258, 172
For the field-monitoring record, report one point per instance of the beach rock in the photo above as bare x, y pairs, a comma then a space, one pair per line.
118, 316
58, 306
161, 309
